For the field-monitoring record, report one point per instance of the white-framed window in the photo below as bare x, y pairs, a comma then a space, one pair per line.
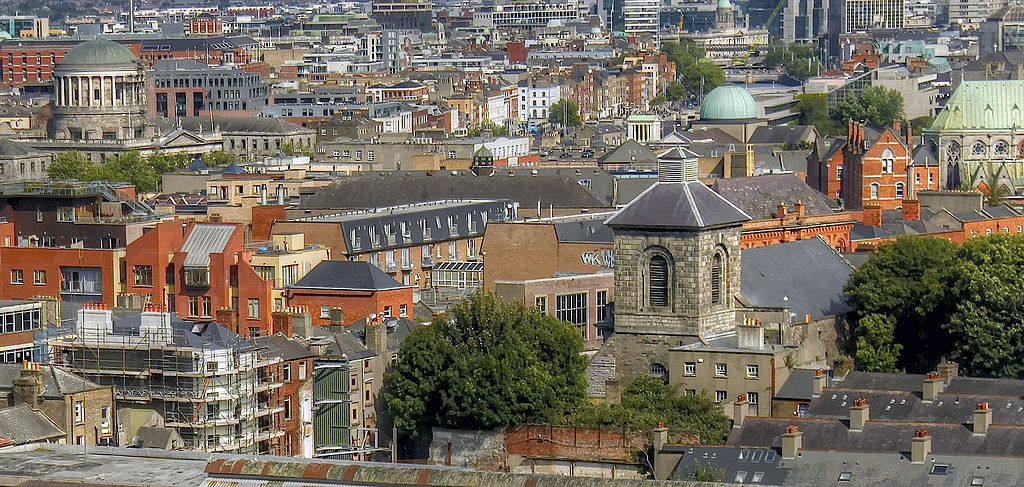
17, 276
602, 306
254, 308
387, 311
874, 191
143, 275
286, 372
572, 308
39, 277
541, 302
752, 371
325, 312
302, 370
79, 412
720, 396
690, 368
752, 398
887, 161
899, 190
403, 310
657, 370
66, 214
721, 370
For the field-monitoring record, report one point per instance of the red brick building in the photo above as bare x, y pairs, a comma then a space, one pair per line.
343, 292
83, 275
205, 25
290, 364
878, 168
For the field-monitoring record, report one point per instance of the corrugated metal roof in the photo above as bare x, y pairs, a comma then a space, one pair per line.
204, 240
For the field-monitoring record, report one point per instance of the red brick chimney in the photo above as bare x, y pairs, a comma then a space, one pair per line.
800, 208
910, 137
911, 210
872, 215
896, 127
781, 210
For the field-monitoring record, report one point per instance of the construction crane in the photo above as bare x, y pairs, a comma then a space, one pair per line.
775, 13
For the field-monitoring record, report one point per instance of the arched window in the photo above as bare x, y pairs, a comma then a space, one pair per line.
657, 370
953, 152
887, 161
1001, 149
874, 191
899, 190
716, 278
979, 149
657, 281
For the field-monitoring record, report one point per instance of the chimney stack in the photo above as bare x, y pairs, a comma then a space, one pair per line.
911, 210
792, 442
739, 410
982, 418
872, 215
859, 413
660, 437
920, 446
818, 383
800, 208
28, 387
781, 210
933, 386
612, 391
376, 335
896, 127
910, 137
947, 370
749, 334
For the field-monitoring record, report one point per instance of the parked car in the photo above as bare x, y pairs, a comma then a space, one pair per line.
587, 154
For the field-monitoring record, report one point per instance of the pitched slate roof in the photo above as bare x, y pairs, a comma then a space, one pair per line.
759, 196
282, 347
806, 275
10, 148
347, 275
784, 134
687, 205
56, 381
22, 424
245, 125
799, 386
203, 240
630, 152
398, 330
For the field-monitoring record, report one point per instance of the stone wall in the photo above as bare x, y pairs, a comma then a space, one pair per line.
479, 450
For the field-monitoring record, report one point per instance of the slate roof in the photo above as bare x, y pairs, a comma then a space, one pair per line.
340, 342
398, 330
203, 240
799, 386
283, 347
347, 275
880, 381
584, 230
57, 381
10, 148
952, 408
399, 188
245, 125
759, 196
977, 385
629, 152
203, 335
808, 272
783, 134
688, 205
22, 424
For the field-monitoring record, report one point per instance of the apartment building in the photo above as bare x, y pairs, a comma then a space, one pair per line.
582, 300
188, 88
641, 16
340, 293
404, 241
284, 261
527, 14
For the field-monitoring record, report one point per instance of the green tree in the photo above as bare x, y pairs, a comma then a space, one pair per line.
799, 60
131, 167
566, 113
904, 281
496, 130
920, 123
985, 325
675, 91
71, 165
813, 111
877, 350
295, 149
705, 472
490, 364
657, 101
876, 105
692, 67
163, 162
219, 158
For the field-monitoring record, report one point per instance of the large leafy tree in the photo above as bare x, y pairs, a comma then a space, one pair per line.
904, 281
876, 105
799, 60
813, 110
71, 165
692, 67
490, 364
877, 350
566, 113
143, 172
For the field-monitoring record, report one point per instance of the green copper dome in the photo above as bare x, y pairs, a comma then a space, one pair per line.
724, 4
99, 52
728, 102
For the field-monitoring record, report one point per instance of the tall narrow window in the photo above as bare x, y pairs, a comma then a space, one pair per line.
658, 281
716, 279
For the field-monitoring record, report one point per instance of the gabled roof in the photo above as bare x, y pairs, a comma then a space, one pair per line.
347, 275
629, 152
10, 148
203, 240
22, 424
687, 205
806, 275
975, 105
759, 196
56, 381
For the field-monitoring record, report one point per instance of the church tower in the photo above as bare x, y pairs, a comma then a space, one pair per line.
724, 16
677, 270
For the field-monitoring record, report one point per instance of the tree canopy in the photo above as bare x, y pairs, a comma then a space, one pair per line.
876, 105
691, 67
491, 363
813, 109
565, 112
799, 60
919, 300
648, 401
131, 167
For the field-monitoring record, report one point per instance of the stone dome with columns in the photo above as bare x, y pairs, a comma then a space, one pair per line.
99, 94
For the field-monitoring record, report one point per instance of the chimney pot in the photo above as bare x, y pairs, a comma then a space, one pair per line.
859, 414
933, 386
819, 382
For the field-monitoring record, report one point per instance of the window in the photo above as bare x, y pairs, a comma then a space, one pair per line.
721, 370
757, 477
887, 160
939, 469
977, 481
720, 396
453, 251
752, 371
979, 149
874, 191
931, 178
387, 311
602, 306
716, 278
287, 407
690, 368
572, 308
79, 412
657, 370
740, 476
286, 372
17, 276
254, 308
752, 398
206, 311
325, 312
39, 213
899, 190
917, 178
193, 306
541, 302
403, 310
302, 370
143, 275
39, 277
657, 281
